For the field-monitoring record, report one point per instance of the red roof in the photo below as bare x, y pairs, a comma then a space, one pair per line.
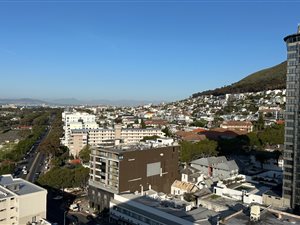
279, 122
75, 161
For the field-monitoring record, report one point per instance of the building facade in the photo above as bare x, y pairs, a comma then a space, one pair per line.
130, 169
81, 129
237, 125
291, 178
21, 202
216, 167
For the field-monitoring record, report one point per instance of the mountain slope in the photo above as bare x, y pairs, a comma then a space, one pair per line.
266, 79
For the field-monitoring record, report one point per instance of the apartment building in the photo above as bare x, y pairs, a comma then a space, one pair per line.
291, 155
21, 202
130, 169
237, 125
81, 129
76, 121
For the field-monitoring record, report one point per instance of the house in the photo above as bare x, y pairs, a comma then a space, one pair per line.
181, 187
216, 167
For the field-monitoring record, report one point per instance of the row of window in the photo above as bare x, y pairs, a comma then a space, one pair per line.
293, 39
292, 48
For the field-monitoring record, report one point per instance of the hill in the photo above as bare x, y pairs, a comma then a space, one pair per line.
266, 79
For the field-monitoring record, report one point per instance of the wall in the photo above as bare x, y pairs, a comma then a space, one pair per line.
133, 169
212, 205
251, 198
229, 193
99, 199
276, 202
32, 205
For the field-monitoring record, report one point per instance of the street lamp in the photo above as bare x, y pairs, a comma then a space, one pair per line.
65, 212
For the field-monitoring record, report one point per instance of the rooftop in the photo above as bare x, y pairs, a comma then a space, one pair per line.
169, 211
165, 142
17, 186
266, 218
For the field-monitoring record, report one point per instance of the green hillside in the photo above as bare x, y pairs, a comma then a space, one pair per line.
267, 79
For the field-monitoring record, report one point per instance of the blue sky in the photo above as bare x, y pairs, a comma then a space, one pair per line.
141, 50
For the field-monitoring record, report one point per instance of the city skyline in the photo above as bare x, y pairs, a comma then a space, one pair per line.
139, 50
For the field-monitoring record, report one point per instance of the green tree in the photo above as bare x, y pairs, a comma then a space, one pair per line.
65, 177
199, 123
154, 137
190, 151
167, 132
260, 124
84, 154
143, 125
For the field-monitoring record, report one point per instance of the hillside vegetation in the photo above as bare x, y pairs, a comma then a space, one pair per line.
267, 79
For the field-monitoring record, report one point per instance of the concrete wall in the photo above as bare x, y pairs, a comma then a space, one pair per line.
212, 205
32, 205
251, 198
229, 193
276, 202
9, 212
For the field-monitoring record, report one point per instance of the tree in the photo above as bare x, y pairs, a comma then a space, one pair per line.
84, 154
154, 137
199, 123
190, 151
65, 178
167, 132
118, 120
143, 125
260, 124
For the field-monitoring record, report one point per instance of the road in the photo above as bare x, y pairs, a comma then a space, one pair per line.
32, 161
38, 164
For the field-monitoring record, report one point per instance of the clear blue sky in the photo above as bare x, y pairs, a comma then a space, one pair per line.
142, 50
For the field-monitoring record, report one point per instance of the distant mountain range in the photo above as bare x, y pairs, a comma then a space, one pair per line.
266, 79
74, 101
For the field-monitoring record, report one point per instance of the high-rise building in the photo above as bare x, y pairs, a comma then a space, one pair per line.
291, 178
131, 169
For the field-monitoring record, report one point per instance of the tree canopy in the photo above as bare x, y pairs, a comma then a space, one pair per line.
190, 151
84, 154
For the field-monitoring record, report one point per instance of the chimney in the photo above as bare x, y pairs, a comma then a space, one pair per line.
298, 28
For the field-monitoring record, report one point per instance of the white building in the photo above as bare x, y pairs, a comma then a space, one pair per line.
21, 202
81, 129
139, 209
76, 120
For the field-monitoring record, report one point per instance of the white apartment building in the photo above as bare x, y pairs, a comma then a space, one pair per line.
81, 129
21, 202
76, 120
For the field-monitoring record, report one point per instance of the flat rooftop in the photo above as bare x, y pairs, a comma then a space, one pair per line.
200, 215
133, 147
266, 218
17, 185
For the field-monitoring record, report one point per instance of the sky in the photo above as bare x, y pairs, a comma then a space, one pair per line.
140, 50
